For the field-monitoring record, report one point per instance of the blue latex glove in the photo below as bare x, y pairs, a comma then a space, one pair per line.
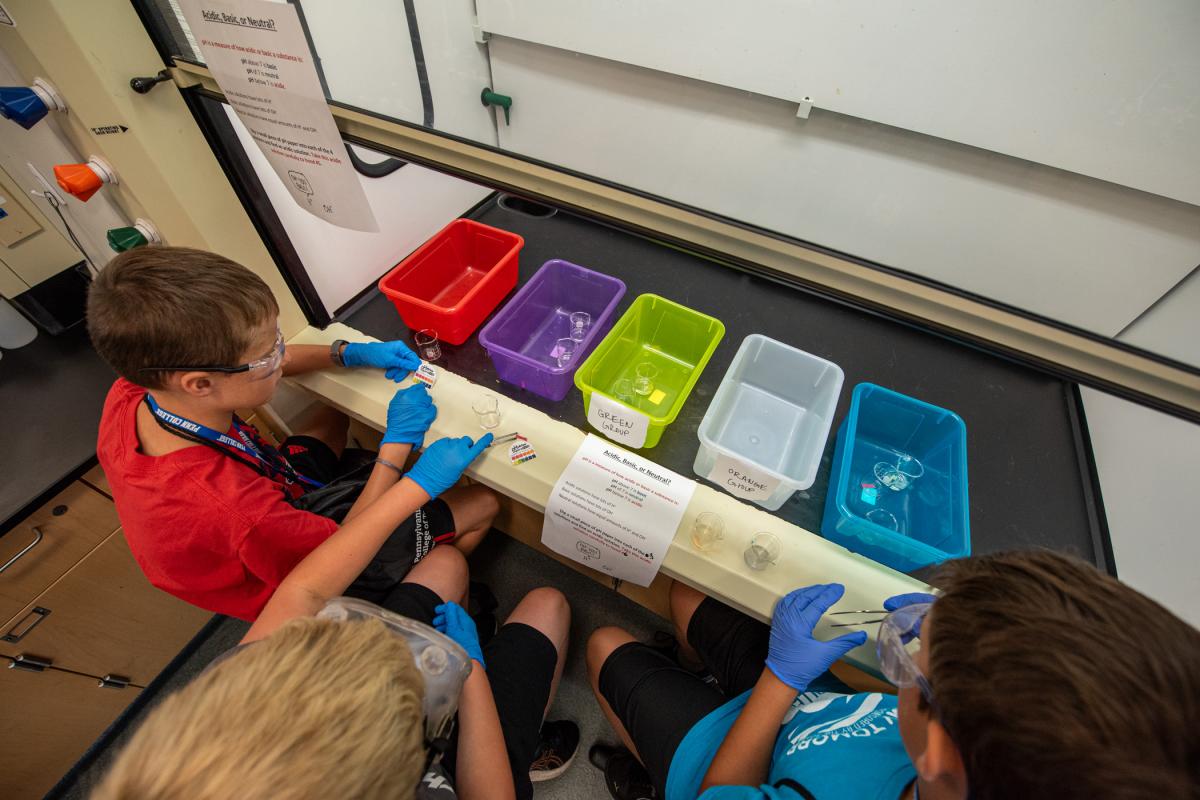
452, 620
443, 462
396, 358
410, 413
793, 654
910, 599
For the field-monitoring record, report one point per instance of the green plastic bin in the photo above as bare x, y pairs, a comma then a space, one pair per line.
674, 339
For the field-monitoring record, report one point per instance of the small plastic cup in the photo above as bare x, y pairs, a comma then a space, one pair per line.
623, 391
487, 410
901, 475
884, 519
707, 531
763, 551
564, 351
580, 322
428, 346
643, 383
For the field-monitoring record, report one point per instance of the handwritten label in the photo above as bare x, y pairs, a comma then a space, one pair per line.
618, 422
742, 480
426, 374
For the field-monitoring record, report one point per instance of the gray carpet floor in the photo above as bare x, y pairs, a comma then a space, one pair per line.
511, 569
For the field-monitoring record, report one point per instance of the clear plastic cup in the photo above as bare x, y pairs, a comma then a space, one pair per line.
707, 531
763, 551
643, 383
428, 346
580, 322
564, 351
901, 475
487, 410
884, 519
623, 391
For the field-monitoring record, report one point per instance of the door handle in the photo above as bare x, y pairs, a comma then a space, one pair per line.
37, 538
37, 613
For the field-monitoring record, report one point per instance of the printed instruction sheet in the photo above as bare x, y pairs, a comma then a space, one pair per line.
615, 511
259, 56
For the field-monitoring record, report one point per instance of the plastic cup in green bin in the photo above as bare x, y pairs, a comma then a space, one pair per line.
658, 347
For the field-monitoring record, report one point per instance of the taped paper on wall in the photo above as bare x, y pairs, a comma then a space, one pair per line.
259, 56
615, 511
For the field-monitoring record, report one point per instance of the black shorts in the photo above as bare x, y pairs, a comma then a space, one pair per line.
432, 524
659, 701
520, 668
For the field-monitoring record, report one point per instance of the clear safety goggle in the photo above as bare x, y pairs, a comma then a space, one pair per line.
895, 645
444, 665
259, 369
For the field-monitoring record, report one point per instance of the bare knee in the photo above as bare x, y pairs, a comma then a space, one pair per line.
547, 610
600, 646
489, 501
684, 602
473, 507
443, 570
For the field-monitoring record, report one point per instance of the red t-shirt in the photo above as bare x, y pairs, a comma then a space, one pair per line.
202, 526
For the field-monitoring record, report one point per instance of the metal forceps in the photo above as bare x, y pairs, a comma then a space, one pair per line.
858, 611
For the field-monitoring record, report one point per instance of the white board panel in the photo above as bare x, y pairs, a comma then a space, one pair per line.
367, 57
410, 205
1072, 248
1110, 90
1146, 464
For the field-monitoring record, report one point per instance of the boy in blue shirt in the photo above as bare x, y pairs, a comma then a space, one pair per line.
1032, 675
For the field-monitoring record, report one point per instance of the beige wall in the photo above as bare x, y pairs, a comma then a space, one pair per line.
89, 49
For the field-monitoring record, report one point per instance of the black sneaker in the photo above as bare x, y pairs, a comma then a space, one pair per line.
556, 751
624, 775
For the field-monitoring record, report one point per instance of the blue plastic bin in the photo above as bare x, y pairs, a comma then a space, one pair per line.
521, 338
924, 522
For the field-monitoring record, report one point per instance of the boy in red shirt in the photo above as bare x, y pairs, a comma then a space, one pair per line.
207, 506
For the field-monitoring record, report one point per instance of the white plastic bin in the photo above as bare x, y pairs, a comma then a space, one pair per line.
765, 430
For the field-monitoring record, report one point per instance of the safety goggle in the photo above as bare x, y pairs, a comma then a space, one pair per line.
897, 634
259, 369
444, 664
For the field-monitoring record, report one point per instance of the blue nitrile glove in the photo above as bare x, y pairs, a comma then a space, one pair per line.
410, 413
443, 462
910, 599
452, 620
396, 358
793, 654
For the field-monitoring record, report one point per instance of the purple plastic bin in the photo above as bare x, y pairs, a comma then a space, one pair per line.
522, 337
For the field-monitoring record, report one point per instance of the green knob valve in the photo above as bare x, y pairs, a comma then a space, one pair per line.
122, 239
490, 98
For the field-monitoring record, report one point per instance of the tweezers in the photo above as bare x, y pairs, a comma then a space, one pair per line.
857, 611
508, 437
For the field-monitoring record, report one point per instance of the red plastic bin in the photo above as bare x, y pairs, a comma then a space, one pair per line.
453, 281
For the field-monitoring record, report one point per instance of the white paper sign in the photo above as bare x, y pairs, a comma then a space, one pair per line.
615, 511
257, 52
618, 422
742, 480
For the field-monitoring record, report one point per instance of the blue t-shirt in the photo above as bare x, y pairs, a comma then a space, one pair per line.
834, 745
